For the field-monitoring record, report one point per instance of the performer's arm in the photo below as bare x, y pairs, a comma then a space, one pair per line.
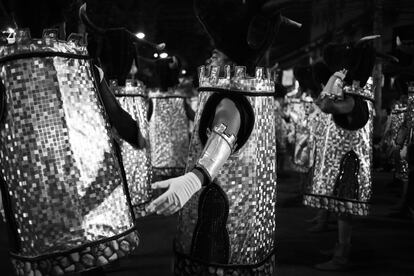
126, 127
344, 106
219, 146
221, 142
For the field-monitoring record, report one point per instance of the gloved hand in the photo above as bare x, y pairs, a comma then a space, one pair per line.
180, 190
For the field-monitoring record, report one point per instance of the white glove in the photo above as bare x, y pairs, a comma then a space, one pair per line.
180, 190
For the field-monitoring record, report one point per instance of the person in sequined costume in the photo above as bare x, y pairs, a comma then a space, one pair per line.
310, 79
342, 168
399, 165
227, 197
73, 215
169, 121
404, 148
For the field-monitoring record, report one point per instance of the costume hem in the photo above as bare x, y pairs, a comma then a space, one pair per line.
185, 265
337, 205
80, 259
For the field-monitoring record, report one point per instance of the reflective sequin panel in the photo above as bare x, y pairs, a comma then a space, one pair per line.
169, 133
396, 121
56, 156
332, 143
410, 112
137, 162
249, 180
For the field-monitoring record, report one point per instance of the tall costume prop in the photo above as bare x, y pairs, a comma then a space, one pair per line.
127, 107
136, 161
65, 199
244, 187
228, 227
396, 122
405, 146
342, 169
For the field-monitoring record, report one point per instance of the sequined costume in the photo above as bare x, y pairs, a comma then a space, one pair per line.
342, 168
137, 162
396, 121
169, 133
65, 201
302, 159
244, 188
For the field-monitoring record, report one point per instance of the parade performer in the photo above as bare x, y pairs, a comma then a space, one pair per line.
129, 113
169, 120
342, 168
228, 195
136, 159
405, 149
65, 198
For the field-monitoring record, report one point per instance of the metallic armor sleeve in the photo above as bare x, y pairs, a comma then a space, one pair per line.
218, 148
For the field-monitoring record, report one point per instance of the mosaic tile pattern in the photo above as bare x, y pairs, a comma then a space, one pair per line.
57, 154
185, 266
249, 180
332, 143
302, 159
169, 134
409, 117
83, 259
397, 119
137, 162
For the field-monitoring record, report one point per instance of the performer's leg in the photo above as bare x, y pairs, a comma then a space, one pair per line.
321, 221
344, 229
340, 258
409, 197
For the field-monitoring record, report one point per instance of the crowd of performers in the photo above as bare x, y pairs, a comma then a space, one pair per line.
83, 155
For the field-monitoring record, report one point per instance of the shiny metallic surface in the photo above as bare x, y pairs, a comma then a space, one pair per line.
396, 121
137, 162
303, 121
332, 143
57, 157
216, 151
169, 133
409, 117
248, 177
367, 91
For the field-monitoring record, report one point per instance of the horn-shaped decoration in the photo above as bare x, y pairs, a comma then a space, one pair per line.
289, 22
368, 38
89, 24
387, 57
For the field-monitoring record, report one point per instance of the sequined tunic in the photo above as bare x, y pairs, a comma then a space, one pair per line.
65, 201
302, 159
333, 188
248, 180
136, 162
169, 133
397, 119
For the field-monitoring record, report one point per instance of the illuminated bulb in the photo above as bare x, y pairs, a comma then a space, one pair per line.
183, 72
140, 35
155, 55
163, 55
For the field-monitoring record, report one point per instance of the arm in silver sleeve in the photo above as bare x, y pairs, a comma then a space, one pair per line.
217, 150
